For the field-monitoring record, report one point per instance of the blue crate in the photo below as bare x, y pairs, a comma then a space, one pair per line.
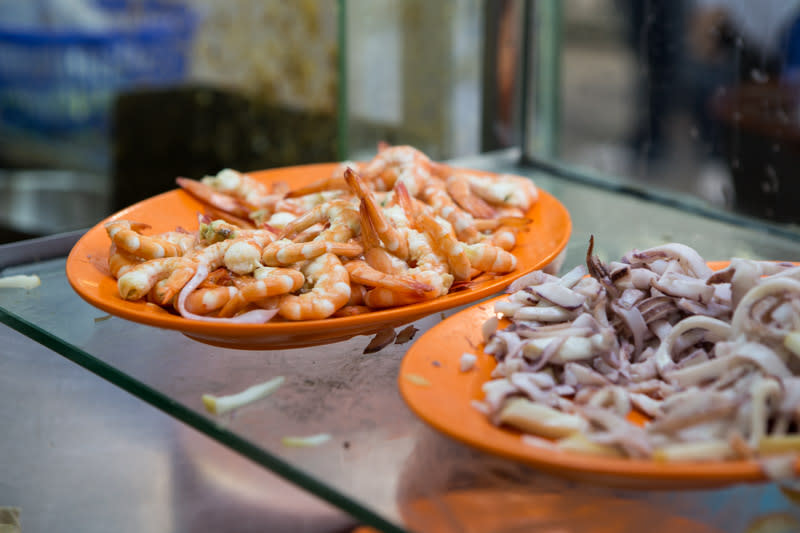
62, 79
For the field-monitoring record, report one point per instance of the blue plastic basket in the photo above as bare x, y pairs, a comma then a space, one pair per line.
56, 79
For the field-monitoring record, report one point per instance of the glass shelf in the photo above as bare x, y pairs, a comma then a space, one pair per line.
383, 465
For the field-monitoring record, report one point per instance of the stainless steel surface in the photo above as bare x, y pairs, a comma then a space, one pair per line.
78, 454
43, 202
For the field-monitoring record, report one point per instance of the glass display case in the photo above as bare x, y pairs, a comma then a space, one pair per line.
569, 95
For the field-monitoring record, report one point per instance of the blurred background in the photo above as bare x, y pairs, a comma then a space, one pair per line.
104, 102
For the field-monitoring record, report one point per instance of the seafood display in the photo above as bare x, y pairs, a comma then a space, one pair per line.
655, 356
396, 230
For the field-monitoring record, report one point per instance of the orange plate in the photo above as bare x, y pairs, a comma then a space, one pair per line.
445, 403
87, 272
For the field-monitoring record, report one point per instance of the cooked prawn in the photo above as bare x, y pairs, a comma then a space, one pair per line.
330, 291
301, 204
212, 231
352, 310
460, 188
403, 164
436, 195
505, 237
340, 214
431, 267
361, 272
486, 257
126, 235
381, 297
504, 230
251, 193
120, 261
213, 255
357, 292
244, 255
139, 279
284, 252
441, 233
219, 200
265, 283
376, 256
495, 223
506, 190
206, 300
392, 237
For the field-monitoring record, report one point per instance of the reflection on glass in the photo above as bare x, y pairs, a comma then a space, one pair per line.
413, 75
693, 96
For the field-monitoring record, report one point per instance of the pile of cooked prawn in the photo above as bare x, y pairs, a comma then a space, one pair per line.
711, 358
397, 230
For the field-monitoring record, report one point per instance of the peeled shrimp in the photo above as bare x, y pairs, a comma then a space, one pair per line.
431, 266
340, 214
218, 230
374, 254
392, 237
361, 272
213, 255
505, 189
301, 204
489, 258
330, 291
126, 235
505, 238
443, 205
352, 310
206, 300
244, 255
265, 283
284, 252
504, 230
219, 200
138, 280
403, 164
381, 297
357, 292
460, 188
251, 194
120, 262
441, 233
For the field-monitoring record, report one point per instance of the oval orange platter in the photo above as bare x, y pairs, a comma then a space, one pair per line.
437, 391
87, 272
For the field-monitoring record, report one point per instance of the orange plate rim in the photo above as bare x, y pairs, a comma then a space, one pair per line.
444, 402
